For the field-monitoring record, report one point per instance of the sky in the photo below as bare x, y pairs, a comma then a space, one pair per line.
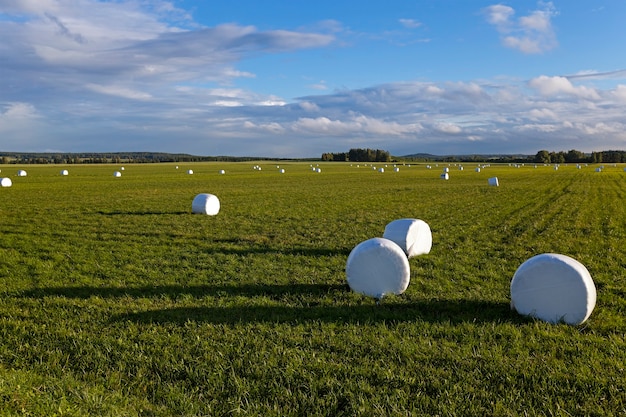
295, 79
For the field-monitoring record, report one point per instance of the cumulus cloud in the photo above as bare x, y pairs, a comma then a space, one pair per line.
550, 86
530, 34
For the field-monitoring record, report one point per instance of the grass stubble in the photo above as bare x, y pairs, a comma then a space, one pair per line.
118, 301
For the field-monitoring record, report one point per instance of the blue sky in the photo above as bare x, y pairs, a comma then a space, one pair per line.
300, 78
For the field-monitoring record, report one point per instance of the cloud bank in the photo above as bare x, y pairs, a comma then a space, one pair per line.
105, 76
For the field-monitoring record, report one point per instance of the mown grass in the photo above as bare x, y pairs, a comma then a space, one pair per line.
118, 301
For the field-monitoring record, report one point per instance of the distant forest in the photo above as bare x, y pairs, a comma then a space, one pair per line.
353, 155
113, 158
543, 157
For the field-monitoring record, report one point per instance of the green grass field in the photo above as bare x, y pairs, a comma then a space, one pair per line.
117, 301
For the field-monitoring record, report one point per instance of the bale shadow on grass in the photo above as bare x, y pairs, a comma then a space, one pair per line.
439, 311
174, 291
140, 212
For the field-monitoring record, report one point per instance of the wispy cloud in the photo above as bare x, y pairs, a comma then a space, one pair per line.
410, 23
530, 34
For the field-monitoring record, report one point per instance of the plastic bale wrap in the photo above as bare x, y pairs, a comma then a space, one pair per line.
117, 174
6, 182
412, 235
494, 182
554, 288
205, 204
378, 267
64, 172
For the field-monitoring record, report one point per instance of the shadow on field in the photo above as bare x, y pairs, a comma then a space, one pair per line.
140, 213
447, 311
442, 310
199, 291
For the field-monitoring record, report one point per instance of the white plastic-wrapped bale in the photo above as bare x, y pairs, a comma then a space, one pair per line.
378, 267
381, 170
396, 169
598, 169
478, 169
493, 181
64, 172
21, 173
282, 171
190, 171
6, 182
554, 288
117, 174
445, 176
205, 204
412, 235
222, 172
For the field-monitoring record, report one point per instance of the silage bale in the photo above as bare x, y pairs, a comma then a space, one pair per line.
444, 176
396, 169
117, 174
222, 172
412, 235
190, 171
64, 172
493, 181
21, 173
554, 288
6, 182
205, 204
377, 267
598, 169
282, 171
381, 170
478, 169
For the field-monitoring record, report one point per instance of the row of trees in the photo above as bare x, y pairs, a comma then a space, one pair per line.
359, 155
112, 158
574, 156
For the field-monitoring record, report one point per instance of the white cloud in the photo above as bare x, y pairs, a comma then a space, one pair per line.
620, 93
550, 86
410, 23
530, 34
449, 128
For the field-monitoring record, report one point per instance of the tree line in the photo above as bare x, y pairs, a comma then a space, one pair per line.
359, 155
113, 158
574, 156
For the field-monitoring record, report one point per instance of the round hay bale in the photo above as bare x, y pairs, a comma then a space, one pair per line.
190, 171
222, 172
117, 174
412, 235
6, 182
381, 170
396, 169
122, 168
205, 204
377, 267
445, 176
494, 182
64, 172
282, 170
478, 169
554, 288
21, 173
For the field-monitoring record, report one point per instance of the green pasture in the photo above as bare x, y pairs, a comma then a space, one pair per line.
116, 300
